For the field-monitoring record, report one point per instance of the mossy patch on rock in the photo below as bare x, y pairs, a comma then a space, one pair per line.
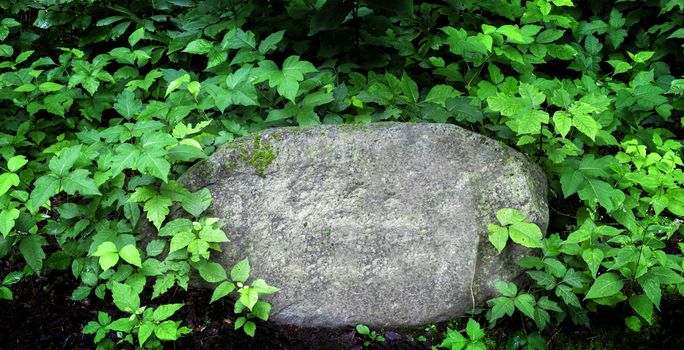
258, 154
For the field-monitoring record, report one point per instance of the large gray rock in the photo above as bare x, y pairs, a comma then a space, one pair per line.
384, 224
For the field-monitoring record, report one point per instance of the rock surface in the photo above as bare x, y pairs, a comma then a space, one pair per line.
383, 224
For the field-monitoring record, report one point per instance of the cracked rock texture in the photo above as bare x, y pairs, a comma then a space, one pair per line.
382, 224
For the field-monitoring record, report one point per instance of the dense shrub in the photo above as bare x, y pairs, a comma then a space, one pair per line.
104, 105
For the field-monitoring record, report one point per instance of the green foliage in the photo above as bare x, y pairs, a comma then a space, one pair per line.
456, 341
523, 233
105, 106
369, 336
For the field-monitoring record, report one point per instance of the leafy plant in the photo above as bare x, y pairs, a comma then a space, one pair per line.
456, 341
370, 336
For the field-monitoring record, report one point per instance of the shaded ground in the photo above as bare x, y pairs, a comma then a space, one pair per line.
42, 316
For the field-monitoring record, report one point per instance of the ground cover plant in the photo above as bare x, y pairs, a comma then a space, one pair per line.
103, 107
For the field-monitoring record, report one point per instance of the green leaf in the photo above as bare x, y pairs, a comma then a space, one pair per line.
105, 248
513, 34
643, 306
199, 47
157, 208
271, 42
12, 278
506, 289
7, 219
508, 216
240, 272
500, 306
155, 247
212, 272
80, 293
163, 284
124, 324
6, 293
6, 50
563, 3
317, 99
127, 104
593, 257
165, 311
362, 329
547, 304
155, 143
212, 235
549, 35
249, 328
409, 88
130, 254
543, 279
125, 297
50, 87
44, 188
197, 202
7, 181
222, 290
176, 226
601, 191
651, 287
136, 36
264, 289
525, 303
649, 96
262, 310
505, 104
473, 330
31, 248
176, 83
569, 297
167, 330
440, 93
526, 234
606, 285
666, 275
181, 240
185, 153
60, 165
238, 39
592, 45
498, 236
562, 121
641, 57
25, 88
141, 194
586, 125
633, 323
619, 66
240, 321
145, 331
454, 340
15, 163
287, 80
248, 297
108, 254
126, 157
80, 181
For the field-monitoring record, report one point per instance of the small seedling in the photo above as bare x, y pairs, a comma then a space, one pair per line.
369, 336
